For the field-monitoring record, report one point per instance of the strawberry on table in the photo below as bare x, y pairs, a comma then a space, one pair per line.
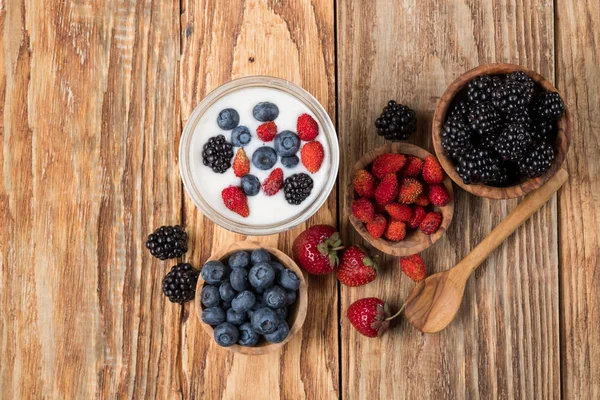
410, 190
235, 199
241, 163
414, 267
356, 267
274, 182
364, 183
363, 210
267, 131
388, 163
312, 155
307, 128
369, 316
432, 170
387, 190
315, 249
431, 223
377, 226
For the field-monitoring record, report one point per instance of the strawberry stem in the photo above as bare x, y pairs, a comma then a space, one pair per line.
398, 313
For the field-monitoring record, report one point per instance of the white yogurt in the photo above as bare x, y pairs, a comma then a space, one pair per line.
264, 210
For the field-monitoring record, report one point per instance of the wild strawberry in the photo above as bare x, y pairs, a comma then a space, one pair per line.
387, 190
274, 182
241, 164
410, 190
432, 170
414, 267
363, 210
438, 195
356, 267
395, 231
422, 200
413, 167
307, 128
399, 212
312, 155
267, 131
369, 316
235, 199
418, 217
431, 223
364, 183
377, 226
388, 163
315, 249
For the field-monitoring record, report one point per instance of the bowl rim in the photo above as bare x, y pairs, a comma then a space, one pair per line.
301, 302
400, 249
563, 140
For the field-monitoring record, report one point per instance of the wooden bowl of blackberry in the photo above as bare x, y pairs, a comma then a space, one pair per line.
501, 131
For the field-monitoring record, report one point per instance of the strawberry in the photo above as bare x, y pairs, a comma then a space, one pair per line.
315, 249
438, 195
369, 316
399, 212
395, 231
377, 226
422, 200
364, 183
307, 128
241, 164
413, 167
418, 216
363, 210
387, 190
388, 163
356, 267
432, 170
312, 155
431, 223
267, 131
274, 182
235, 199
414, 267
410, 190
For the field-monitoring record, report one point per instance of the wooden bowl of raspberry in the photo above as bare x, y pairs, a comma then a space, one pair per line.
400, 199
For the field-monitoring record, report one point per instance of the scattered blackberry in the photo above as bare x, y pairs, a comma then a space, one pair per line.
543, 131
537, 161
456, 136
167, 242
525, 80
520, 116
480, 89
485, 119
297, 188
511, 96
514, 142
548, 106
217, 154
179, 285
396, 122
478, 165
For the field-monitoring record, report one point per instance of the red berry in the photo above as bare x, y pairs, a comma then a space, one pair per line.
395, 231
356, 267
431, 223
307, 128
414, 267
418, 216
369, 316
438, 195
387, 190
235, 199
241, 163
267, 131
410, 190
274, 182
363, 210
315, 249
388, 163
364, 183
399, 212
312, 155
377, 226
413, 167
432, 170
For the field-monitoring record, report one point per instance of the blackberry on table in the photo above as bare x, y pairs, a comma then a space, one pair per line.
510, 96
548, 106
485, 119
167, 242
537, 161
456, 136
514, 141
478, 165
525, 80
396, 122
179, 285
297, 188
217, 154
480, 88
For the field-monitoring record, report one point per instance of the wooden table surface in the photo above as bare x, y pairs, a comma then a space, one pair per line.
93, 98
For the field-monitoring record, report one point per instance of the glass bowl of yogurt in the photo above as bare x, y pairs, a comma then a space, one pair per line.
231, 111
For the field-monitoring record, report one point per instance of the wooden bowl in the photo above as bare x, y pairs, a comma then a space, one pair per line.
415, 241
297, 312
561, 146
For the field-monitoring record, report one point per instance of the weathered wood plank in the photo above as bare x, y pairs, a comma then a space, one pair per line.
291, 40
504, 342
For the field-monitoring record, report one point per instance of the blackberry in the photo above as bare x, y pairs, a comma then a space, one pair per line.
537, 161
520, 116
297, 188
461, 109
543, 131
480, 88
548, 106
179, 285
167, 242
525, 80
485, 119
478, 165
514, 142
396, 122
456, 136
217, 154
510, 96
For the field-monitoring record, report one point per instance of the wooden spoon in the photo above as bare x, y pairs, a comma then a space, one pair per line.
433, 303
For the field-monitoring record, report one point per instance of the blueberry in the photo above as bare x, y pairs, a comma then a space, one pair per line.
240, 136
226, 334
261, 276
265, 111
228, 119
239, 259
213, 315
290, 161
265, 320
289, 280
210, 296
226, 291
243, 301
250, 185
226, 305
287, 143
280, 334
260, 255
214, 272
236, 318
291, 297
278, 267
248, 336
239, 279
275, 297
264, 158
282, 313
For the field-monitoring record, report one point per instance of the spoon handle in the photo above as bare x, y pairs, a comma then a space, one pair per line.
533, 202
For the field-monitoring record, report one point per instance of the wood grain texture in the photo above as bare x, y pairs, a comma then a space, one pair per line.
293, 40
578, 68
504, 342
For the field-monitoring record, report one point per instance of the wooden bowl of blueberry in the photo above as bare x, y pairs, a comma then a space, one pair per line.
501, 131
252, 298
